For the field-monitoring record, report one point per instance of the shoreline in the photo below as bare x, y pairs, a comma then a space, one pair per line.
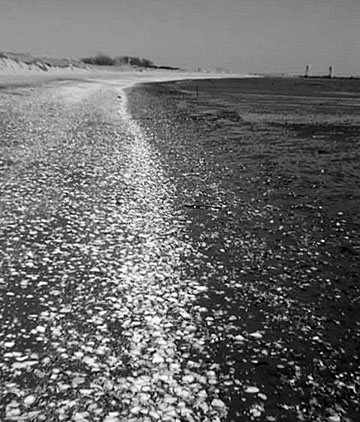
129, 78
227, 199
277, 241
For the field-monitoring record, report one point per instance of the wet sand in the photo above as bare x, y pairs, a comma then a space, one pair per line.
267, 172
156, 265
94, 295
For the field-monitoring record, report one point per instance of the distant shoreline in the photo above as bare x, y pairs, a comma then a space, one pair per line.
124, 78
24, 70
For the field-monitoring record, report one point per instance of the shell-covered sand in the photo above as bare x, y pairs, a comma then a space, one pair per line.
98, 317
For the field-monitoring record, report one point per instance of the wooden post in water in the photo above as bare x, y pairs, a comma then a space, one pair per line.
331, 72
197, 92
307, 71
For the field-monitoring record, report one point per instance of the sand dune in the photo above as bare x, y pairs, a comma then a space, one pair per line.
24, 69
24, 63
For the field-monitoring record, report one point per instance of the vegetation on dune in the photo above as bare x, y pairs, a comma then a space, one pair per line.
43, 63
135, 61
99, 60
105, 60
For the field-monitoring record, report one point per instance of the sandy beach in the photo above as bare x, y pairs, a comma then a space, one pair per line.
267, 170
97, 313
179, 211
17, 74
171, 252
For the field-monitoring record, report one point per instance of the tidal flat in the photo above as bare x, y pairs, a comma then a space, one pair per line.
267, 171
179, 251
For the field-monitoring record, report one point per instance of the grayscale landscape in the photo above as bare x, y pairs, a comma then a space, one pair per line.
179, 243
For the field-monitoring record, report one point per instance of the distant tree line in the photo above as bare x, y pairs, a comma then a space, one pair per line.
105, 60
99, 60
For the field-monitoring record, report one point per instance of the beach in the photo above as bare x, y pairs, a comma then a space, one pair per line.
178, 247
268, 171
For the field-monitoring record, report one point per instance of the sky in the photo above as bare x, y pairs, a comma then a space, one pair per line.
259, 36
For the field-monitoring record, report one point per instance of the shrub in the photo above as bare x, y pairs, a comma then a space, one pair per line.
134, 61
99, 60
104, 60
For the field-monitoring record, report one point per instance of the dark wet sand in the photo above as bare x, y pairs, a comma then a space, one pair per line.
194, 261
268, 174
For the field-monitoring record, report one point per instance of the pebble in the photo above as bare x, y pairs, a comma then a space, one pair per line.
251, 390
